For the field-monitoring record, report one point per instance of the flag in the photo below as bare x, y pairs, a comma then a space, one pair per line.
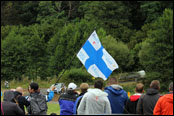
97, 61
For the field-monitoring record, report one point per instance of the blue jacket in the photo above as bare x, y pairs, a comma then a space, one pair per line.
117, 97
50, 96
66, 102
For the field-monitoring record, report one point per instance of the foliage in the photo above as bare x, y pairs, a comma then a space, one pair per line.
156, 54
40, 38
13, 54
77, 76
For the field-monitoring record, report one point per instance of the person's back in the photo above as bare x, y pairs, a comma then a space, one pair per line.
10, 108
95, 101
38, 101
148, 101
67, 100
38, 104
164, 105
116, 95
131, 104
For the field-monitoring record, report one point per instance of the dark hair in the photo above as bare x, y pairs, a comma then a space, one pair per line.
171, 86
53, 114
139, 88
34, 86
98, 84
155, 84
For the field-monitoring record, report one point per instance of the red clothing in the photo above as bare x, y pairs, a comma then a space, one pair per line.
164, 105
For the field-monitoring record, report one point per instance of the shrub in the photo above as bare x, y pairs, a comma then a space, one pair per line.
77, 76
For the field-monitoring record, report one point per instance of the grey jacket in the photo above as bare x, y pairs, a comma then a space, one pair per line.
38, 104
10, 108
95, 101
147, 102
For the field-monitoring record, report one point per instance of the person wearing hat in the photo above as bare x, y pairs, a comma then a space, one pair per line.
67, 100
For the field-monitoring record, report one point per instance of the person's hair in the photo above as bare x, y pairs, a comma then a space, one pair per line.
139, 88
155, 84
34, 86
98, 84
171, 86
53, 114
19, 89
113, 80
84, 87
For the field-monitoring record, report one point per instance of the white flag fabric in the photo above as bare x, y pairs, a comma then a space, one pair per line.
97, 61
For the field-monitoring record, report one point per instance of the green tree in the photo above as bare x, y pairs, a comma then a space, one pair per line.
156, 54
36, 52
13, 57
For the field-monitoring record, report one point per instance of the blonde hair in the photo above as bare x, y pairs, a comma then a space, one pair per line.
84, 87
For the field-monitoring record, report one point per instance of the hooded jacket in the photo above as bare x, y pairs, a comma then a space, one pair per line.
67, 101
164, 106
10, 108
131, 104
117, 97
22, 101
147, 102
95, 101
38, 103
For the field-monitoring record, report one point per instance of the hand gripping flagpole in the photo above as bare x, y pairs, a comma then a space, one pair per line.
68, 65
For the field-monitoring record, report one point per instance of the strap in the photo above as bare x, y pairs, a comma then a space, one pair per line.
2, 109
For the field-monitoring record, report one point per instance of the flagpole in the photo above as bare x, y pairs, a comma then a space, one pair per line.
70, 62
65, 69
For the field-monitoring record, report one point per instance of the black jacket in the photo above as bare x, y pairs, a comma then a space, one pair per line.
10, 108
21, 100
147, 102
131, 104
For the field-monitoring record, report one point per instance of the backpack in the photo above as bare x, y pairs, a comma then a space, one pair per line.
38, 105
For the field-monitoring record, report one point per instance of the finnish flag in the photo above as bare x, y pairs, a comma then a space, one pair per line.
97, 61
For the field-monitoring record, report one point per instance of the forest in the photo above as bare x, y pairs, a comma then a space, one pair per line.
39, 38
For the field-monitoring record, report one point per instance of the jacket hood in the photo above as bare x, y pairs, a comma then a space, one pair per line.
115, 89
152, 91
16, 93
135, 97
97, 92
34, 94
8, 96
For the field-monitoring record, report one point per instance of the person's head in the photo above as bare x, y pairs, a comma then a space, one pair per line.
8, 96
33, 87
139, 88
84, 87
98, 84
20, 90
112, 80
72, 86
155, 84
53, 114
171, 87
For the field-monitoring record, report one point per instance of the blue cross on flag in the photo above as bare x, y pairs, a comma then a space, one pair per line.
97, 61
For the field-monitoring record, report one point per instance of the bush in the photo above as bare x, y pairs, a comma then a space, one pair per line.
77, 76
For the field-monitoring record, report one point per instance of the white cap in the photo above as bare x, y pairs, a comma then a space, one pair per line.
72, 86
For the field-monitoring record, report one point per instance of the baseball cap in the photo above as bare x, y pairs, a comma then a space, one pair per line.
72, 86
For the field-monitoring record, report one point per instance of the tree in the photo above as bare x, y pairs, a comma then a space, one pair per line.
36, 52
156, 54
13, 57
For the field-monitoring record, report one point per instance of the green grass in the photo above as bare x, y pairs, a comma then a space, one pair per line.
53, 108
